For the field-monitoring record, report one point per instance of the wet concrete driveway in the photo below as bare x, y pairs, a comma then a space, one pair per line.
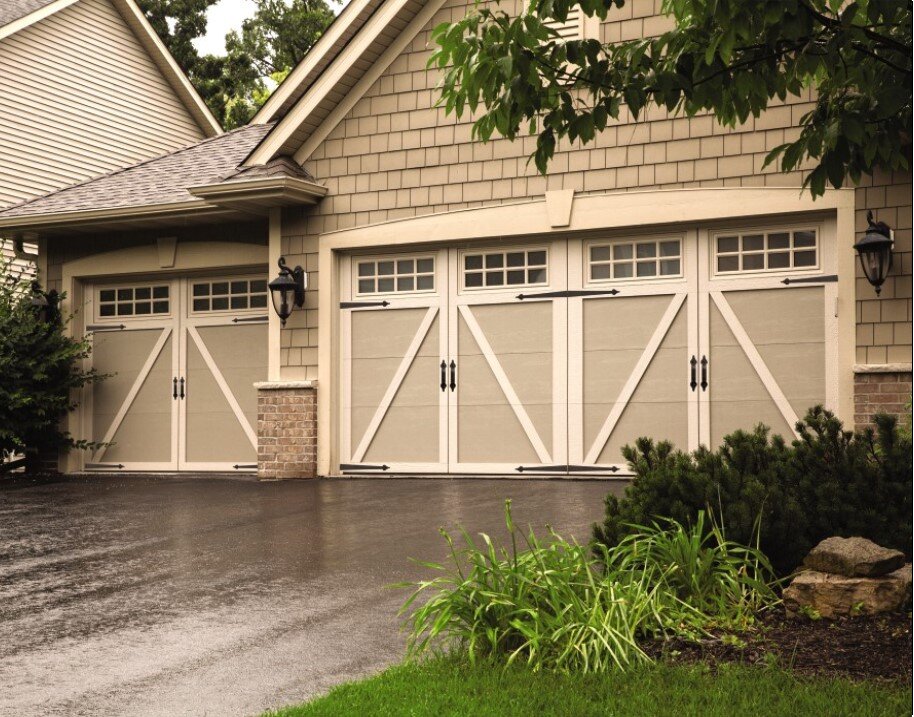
180, 596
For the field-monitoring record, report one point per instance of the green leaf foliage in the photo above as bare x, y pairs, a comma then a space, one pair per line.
731, 58
40, 368
827, 482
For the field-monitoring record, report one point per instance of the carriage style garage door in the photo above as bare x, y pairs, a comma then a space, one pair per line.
182, 356
548, 358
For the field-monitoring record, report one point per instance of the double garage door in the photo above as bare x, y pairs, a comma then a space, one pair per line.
181, 358
550, 356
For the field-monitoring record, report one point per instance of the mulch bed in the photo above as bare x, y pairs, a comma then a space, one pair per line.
861, 648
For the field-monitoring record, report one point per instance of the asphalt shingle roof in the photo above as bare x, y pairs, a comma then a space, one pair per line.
160, 180
11, 10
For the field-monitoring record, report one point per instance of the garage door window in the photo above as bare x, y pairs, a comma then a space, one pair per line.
228, 295
486, 270
766, 251
636, 259
133, 301
396, 276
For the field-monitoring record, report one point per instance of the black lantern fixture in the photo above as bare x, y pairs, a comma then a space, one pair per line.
288, 290
875, 250
39, 302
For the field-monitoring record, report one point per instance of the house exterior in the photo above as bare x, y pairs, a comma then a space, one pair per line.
86, 86
464, 315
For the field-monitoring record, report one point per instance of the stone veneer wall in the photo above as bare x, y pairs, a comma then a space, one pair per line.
287, 430
880, 389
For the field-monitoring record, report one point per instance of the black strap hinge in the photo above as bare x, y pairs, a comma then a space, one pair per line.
827, 279
568, 294
362, 304
356, 467
243, 466
567, 469
91, 466
99, 328
249, 319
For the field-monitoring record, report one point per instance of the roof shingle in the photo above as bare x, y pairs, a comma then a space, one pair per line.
11, 10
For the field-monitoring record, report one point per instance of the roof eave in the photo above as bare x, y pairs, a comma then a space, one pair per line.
261, 193
169, 210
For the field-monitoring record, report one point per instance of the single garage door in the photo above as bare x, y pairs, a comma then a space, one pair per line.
181, 358
549, 357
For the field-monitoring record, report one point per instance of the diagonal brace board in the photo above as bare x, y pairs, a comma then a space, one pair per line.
132, 393
755, 358
502, 378
634, 379
394, 385
223, 385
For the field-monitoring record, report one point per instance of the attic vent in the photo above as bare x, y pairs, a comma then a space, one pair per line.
571, 29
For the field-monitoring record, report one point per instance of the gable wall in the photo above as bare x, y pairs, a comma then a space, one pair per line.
396, 155
79, 96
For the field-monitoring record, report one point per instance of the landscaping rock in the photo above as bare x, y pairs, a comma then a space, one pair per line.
832, 596
854, 557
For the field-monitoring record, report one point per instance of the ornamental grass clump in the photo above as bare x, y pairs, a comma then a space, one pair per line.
554, 605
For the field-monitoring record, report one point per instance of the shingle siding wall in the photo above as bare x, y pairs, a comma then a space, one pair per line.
396, 155
79, 96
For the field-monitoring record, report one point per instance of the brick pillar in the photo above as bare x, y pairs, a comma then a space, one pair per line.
286, 429
881, 389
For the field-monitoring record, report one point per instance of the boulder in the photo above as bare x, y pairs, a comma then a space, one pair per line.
835, 595
854, 557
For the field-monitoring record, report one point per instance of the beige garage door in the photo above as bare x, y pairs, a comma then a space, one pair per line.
182, 357
550, 357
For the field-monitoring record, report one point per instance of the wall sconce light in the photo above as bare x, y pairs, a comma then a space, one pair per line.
875, 251
44, 303
288, 290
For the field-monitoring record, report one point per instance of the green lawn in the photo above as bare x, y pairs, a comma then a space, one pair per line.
445, 687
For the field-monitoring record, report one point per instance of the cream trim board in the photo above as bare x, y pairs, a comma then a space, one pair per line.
33, 17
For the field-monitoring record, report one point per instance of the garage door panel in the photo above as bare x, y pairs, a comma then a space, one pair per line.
666, 421
622, 323
408, 434
492, 435
120, 355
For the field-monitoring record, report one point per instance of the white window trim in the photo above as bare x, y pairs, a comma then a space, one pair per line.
765, 230
115, 319
223, 312
505, 251
357, 260
634, 240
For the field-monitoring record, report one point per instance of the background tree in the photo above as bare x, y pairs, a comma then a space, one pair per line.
271, 43
732, 58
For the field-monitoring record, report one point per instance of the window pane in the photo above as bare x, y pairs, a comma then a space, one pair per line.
143, 307
106, 295
516, 276
669, 248
473, 280
516, 258
239, 287
106, 310
366, 268
143, 293
647, 268
239, 302
728, 263
536, 276
622, 271
494, 261
159, 307
258, 302
669, 267
201, 289
779, 260
622, 251
804, 258
753, 261
220, 303
426, 283
472, 261
599, 253
646, 250
124, 294
385, 268
405, 283
727, 244
259, 286
495, 278
425, 266
125, 309
405, 266
599, 271
804, 239
779, 241
536, 258
385, 285
201, 304
753, 242
160, 292
221, 287
366, 286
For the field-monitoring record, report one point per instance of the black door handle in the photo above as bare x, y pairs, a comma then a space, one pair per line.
182, 388
174, 388
444, 375
704, 373
693, 363
453, 375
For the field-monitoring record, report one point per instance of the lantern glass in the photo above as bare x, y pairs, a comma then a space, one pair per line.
875, 250
282, 291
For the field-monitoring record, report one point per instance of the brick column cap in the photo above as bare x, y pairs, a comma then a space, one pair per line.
283, 385
882, 368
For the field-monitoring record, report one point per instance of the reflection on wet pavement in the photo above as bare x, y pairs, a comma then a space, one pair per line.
149, 595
